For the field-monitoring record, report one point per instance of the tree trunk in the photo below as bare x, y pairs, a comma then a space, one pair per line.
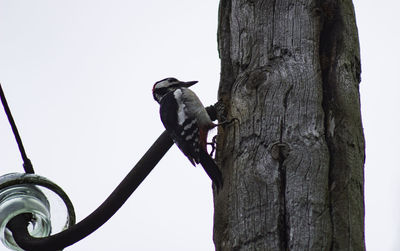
293, 166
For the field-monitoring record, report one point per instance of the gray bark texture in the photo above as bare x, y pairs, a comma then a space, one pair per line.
293, 165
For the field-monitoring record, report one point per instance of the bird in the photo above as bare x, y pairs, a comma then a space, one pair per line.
187, 122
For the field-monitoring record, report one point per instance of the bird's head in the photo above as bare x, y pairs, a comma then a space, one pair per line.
167, 85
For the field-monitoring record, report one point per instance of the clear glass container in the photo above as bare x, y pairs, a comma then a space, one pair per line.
51, 209
24, 198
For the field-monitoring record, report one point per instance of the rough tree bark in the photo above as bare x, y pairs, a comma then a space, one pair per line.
293, 166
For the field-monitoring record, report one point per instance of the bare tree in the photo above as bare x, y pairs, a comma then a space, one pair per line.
293, 166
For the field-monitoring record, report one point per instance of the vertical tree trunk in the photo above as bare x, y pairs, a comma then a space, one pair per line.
293, 166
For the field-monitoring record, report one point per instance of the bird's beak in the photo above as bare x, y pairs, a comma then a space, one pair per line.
188, 84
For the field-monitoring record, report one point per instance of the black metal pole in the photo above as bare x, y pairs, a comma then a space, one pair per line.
104, 212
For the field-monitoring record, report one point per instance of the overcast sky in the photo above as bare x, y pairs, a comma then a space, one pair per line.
78, 77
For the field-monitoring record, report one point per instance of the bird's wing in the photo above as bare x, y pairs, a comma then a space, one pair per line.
186, 134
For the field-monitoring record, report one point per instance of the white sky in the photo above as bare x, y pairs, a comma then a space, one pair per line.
78, 77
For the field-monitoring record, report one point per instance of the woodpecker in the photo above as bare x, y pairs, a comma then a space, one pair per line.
187, 122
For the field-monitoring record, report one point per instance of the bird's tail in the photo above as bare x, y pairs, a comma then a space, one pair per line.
211, 169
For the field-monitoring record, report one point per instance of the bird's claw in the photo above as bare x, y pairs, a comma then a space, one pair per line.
228, 122
213, 144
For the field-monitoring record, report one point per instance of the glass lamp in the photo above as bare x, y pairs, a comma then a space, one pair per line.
51, 209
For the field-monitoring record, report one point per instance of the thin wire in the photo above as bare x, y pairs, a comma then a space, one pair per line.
27, 162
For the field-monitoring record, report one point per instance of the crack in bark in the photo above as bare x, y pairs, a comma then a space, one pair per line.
336, 53
285, 98
327, 51
283, 224
282, 221
282, 213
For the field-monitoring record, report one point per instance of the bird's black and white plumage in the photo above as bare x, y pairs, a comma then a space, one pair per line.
187, 122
